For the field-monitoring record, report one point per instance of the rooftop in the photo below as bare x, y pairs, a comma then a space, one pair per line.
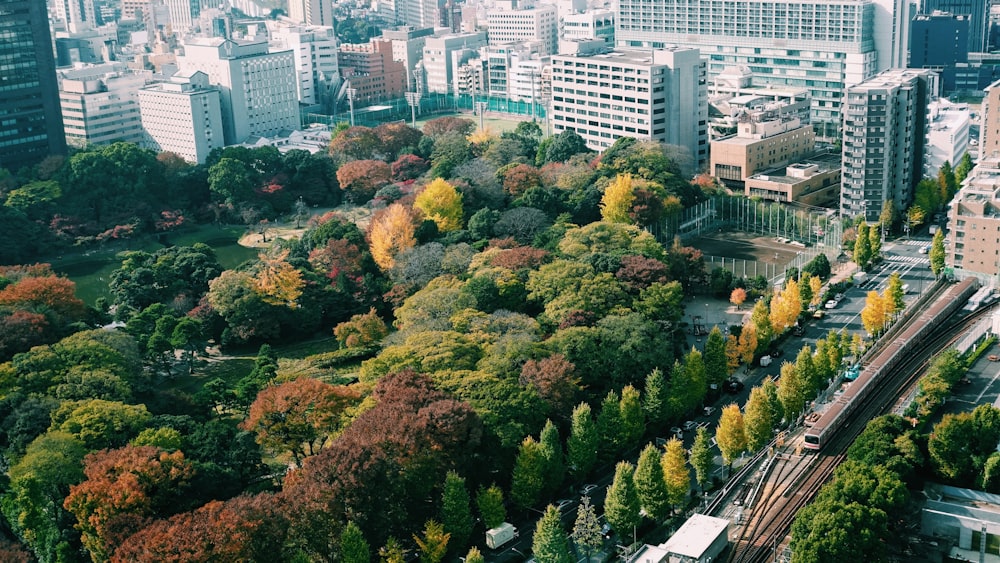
696, 535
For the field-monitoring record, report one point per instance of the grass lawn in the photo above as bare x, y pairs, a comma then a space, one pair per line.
496, 124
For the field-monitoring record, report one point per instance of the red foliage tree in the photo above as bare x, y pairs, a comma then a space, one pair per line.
555, 380
520, 257
360, 179
639, 272
391, 454
409, 167
517, 179
647, 207
50, 292
20, 330
246, 528
444, 125
14, 553
298, 416
356, 143
123, 491
339, 260
397, 136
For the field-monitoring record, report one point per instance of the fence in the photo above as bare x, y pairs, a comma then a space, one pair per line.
396, 109
974, 335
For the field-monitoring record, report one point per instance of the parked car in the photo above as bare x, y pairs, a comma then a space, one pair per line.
690, 425
709, 410
587, 489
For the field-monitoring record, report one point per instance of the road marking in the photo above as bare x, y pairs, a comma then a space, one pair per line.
992, 381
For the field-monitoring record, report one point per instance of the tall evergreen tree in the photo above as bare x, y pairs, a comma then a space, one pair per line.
654, 398
609, 427
758, 420
702, 457
621, 504
489, 501
550, 543
675, 472
770, 390
582, 443
875, 234
807, 373
650, 484
633, 419
555, 464
353, 547
716, 365
528, 481
456, 512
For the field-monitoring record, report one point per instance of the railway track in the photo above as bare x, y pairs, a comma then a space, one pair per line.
792, 479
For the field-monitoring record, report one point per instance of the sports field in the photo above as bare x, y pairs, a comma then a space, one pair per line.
491, 121
745, 246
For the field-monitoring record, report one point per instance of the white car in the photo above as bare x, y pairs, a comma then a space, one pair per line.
924, 249
831, 304
690, 425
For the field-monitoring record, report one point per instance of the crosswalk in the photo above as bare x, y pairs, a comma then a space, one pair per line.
913, 242
907, 259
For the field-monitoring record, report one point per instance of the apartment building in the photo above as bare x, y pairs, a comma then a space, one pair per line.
657, 95
444, 54
974, 220
100, 105
258, 88
591, 24
989, 141
885, 128
183, 116
371, 71
311, 12
315, 51
948, 129
821, 45
407, 47
511, 21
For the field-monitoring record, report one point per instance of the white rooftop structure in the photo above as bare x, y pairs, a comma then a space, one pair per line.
947, 134
698, 538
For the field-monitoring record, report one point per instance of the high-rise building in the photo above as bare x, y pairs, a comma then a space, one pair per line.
77, 14
258, 88
444, 54
657, 95
183, 116
885, 127
31, 127
418, 13
940, 42
315, 51
977, 12
989, 130
100, 104
183, 13
407, 48
370, 71
822, 45
311, 12
592, 24
510, 22
947, 135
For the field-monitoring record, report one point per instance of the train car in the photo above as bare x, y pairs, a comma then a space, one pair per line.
902, 346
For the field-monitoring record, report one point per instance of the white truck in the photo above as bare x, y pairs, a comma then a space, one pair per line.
500, 535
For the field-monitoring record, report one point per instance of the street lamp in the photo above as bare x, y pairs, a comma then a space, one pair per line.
351, 92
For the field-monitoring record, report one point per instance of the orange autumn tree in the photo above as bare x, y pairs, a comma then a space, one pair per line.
277, 281
124, 490
738, 297
298, 416
391, 232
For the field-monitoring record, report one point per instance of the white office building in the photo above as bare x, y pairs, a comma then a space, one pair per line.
314, 49
311, 12
258, 88
885, 127
100, 104
509, 21
592, 24
822, 45
657, 95
183, 14
948, 127
443, 56
182, 116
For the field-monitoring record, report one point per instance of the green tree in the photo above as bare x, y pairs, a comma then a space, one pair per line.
697, 379
730, 434
937, 253
231, 180
433, 544
474, 556
528, 481
947, 182
760, 318
633, 420
609, 426
392, 552
456, 512
863, 247
587, 529
702, 457
950, 447
489, 501
353, 546
675, 472
894, 290
555, 463
807, 373
650, 484
963, 169
758, 419
716, 366
770, 390
875, 234
889, 216
581, 446
654, 399
835, 532
265, 369
621, 505
550, 543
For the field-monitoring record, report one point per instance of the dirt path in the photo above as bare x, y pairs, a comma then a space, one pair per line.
360, 216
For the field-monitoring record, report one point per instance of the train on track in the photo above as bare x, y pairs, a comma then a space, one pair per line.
898, 350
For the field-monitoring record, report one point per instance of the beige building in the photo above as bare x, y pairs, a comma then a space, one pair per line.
814, 181
974, 220
989, 143
760, 143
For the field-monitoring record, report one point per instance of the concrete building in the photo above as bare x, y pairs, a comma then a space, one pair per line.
961, 517
444, 54
765, 138
976, 11
592, 24
655, 95
511, 21
100, 105
258, 88
311, 12
408, 47
948, 126
76, 14
32, 127
183, 116
371, 71
989, 130
315, 50
315, 139
417, 13
699, 540
183, 14
974, 220
821, 45
885, 128
811, 181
